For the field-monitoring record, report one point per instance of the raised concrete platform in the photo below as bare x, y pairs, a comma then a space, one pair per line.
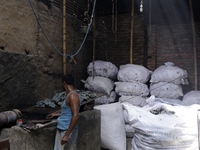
43, 138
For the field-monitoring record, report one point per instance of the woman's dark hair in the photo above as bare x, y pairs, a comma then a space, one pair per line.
69, 79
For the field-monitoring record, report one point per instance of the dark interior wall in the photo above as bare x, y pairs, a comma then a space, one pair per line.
172, 43
30, 68
197, 32
75, 38
115, 46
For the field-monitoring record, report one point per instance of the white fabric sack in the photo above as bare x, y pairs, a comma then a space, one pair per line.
125, 115
172, 101
103, 68
113, 135
167, 73
166, 90
134, 100
131, 89
106, 99
192, 97
129, 131
99, 84
132, 73
163, 131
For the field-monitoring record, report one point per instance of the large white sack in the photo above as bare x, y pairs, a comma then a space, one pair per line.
166, 90
129, 131
163, 131
113, 135
99, 84
192, 97
131, 89
125, 115
106, 99
102, 68
134, 100
132, 73
172, 101
169, 73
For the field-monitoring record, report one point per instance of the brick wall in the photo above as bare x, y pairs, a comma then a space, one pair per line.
172, 43
84, 57
197, 29
115, 47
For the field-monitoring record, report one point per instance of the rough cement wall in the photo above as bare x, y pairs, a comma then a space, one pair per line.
30, 68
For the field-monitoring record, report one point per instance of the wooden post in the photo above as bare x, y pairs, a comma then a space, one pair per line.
194, 46
64, 37
94, 38
132, 29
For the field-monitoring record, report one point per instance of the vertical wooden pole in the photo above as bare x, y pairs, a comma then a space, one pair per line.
132, 29
94, 37
64, 37
194, 46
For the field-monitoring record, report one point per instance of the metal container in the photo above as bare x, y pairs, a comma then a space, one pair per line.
3, 120
11, 117
7, 118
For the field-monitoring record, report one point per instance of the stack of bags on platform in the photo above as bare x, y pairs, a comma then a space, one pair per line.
101, 79
132, 88
166, 83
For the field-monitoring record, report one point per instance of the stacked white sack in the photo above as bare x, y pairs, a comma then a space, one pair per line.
132, 79
169, 73
166, 90
132, 88
104, 73
166, 82
106, 99
99, 84
102, 68
133, 73
134, 100
192, 97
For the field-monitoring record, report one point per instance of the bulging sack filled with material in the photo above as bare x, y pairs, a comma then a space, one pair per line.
169, 131
102, 68
129, 131
106, 99
113, 135
169, 73
172, 101
134, 100
131, 89
133, 73
192, 97
99, 84
166, 90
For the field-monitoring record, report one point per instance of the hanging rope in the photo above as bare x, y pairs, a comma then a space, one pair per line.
67, 55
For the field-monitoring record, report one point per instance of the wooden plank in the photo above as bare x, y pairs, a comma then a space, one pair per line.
4, 144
